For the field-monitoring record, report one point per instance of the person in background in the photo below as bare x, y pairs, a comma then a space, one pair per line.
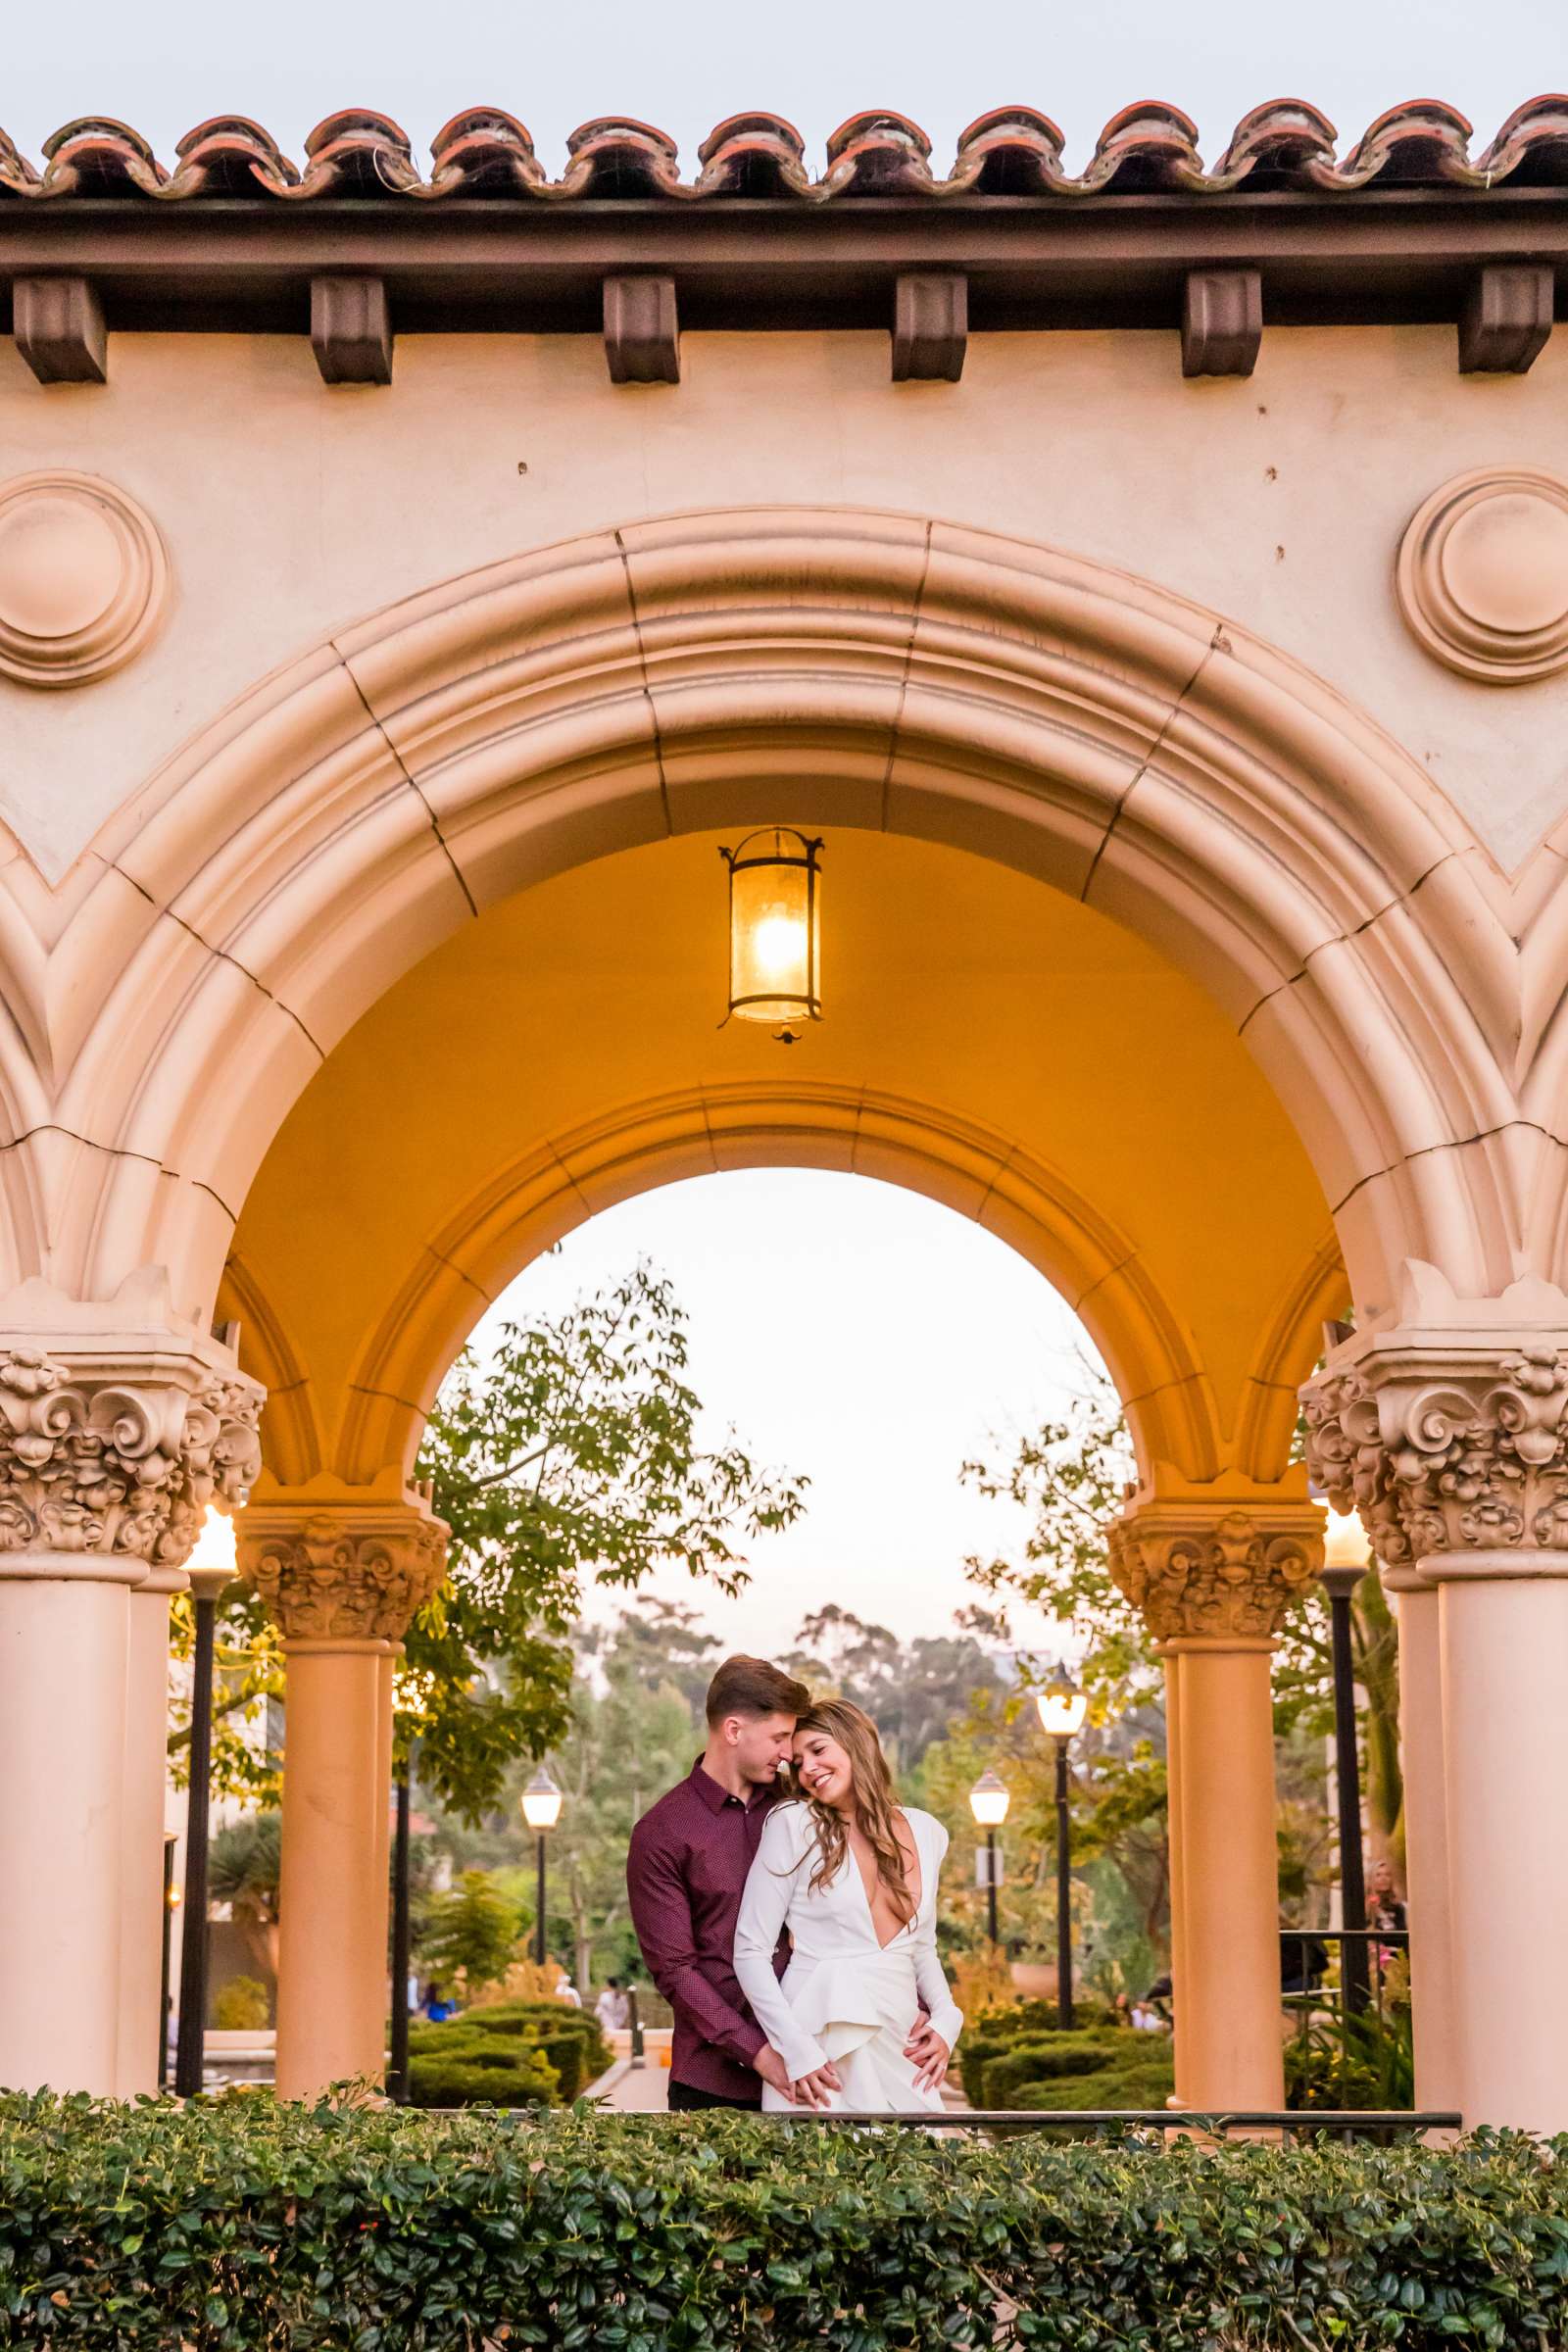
437, 2008
566, 1990
1384, 1909
612, 2009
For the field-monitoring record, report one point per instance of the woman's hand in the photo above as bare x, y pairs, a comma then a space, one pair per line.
928, 2054
813, 2089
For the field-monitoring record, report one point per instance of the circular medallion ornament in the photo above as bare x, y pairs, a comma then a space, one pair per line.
1483, 575
82, 578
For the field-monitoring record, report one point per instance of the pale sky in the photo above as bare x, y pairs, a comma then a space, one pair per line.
165, 64
856, 1333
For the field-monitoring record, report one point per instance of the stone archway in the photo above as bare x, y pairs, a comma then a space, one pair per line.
886, 673
889, 672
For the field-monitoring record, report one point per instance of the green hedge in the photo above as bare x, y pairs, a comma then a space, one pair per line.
241, 2225
1080, 2069
530, 2052
1009, 2059
482, 2078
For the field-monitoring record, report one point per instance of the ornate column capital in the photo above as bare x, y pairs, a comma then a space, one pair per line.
1449, 1433
119, 1424
1215, 1568
338, 1563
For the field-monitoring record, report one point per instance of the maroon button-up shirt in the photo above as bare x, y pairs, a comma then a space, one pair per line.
685, 1872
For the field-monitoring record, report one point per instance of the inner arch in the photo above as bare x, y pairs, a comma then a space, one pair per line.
990, 1044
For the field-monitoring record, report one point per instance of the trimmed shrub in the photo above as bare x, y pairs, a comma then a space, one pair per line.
550, 2019
1131, 2085
1010, 2018
509, 2035
1111, 2069
242, 2005
1044, 2058
239, 2225
478, 2076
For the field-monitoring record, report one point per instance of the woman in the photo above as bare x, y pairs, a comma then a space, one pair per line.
853, 1879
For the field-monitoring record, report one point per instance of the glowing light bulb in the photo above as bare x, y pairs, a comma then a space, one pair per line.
779, 945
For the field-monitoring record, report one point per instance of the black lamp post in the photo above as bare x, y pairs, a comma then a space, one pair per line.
541, 1810
1347, 1555
207, 1582
987, 1802
171, 1906
398, 2072
1062, 1708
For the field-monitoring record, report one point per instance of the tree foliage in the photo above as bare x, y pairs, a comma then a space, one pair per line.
244, 1867
628, 1742
1070, 1476
911, 1689
247, 1681
470, 1930
570, 1459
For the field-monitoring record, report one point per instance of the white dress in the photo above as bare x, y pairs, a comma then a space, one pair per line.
843, 1996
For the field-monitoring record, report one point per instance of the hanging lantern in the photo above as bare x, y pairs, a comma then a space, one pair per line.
774, 929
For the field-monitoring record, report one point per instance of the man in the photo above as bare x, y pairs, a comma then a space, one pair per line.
685, 1871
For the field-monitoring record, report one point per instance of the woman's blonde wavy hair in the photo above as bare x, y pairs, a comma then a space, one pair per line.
874, 1802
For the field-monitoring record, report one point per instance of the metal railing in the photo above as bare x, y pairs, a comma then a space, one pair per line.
1296, 1956
1286, 2123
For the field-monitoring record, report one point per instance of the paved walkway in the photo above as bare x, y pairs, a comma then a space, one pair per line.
634, 2089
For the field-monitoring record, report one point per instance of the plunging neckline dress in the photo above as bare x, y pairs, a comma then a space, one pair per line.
844, 1996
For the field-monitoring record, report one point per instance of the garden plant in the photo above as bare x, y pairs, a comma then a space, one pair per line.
240, 2225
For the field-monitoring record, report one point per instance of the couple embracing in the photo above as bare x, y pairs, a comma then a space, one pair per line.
786, 1907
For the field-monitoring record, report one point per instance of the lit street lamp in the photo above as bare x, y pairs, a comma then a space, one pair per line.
212, 1571
987, 1802
1062, 1708
541, 1810
171, 1906
1345, 1557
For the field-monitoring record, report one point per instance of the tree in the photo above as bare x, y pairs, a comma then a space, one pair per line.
244, 1865
660, 1644
911, 1690
470, 1931
247, 1681
626, 1746
1071, 1475
569, 1459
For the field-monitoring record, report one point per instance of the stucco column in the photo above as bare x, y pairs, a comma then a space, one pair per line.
1504, 1646
1176, 1838
1424, 1769
1212, 1574
119, 1423
1448, 1428
343, 1570
145, 1773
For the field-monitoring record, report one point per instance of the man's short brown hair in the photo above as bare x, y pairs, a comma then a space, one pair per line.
752, 1687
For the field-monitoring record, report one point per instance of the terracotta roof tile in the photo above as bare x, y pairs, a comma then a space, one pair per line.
753, 155
1012, 152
